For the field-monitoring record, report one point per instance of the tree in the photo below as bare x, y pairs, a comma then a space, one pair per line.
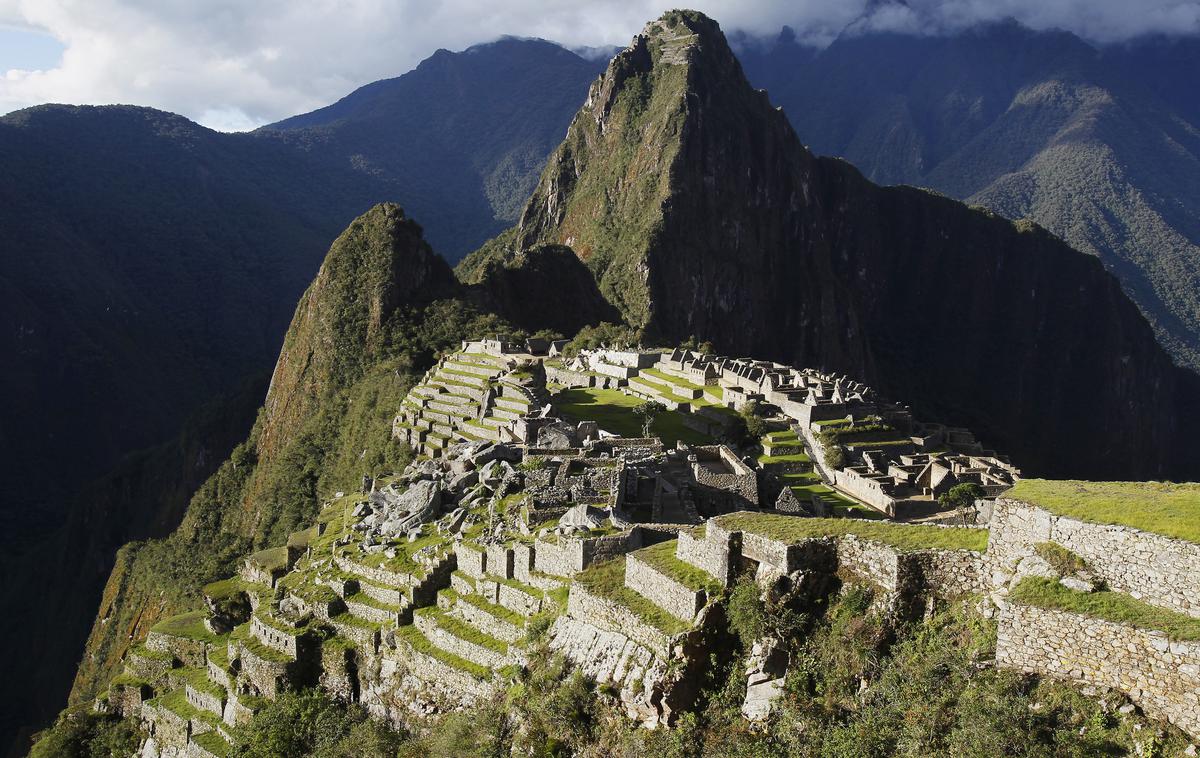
961, 496
648, 412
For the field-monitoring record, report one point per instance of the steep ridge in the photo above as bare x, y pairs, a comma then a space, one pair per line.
700, 213
370, 319
1097, 144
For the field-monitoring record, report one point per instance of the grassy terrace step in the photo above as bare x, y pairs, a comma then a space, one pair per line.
1172, 510
1105, 605
662, 558
499, 611
420, 643
197, 679
903, 537
213, 742
141, 651
243, 635
362, 598
607, 580
664, 377
461, 629
188, 626
176, 701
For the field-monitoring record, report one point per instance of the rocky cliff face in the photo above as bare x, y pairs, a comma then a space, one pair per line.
701, 213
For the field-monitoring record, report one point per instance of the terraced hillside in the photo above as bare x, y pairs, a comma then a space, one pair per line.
468, 396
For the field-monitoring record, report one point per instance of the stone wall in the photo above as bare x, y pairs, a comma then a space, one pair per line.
569, 555
1150, 567
167, 727
711, 554
472, 559
1160, 675
870, 491
276, 638
680, 601
738, 479
607, 615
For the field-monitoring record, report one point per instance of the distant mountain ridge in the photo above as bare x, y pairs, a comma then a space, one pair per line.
1101, 145
462, 136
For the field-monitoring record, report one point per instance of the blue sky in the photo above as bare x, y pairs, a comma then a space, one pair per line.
237, 64
28, 49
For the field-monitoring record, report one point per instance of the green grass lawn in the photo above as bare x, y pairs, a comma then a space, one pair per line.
903, 537
1106, 605
613, 411
1169, 509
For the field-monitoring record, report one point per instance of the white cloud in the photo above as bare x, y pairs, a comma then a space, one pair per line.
233, 64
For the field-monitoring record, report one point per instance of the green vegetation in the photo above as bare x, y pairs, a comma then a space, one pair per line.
212, 742
1107, 605
81, 733
960, 495
602, 335
1061, 559
613, 410
1172, 510
662, 558
904, 537
463, 630
189, 625
499, 611
607, 580
310, 723
648, 412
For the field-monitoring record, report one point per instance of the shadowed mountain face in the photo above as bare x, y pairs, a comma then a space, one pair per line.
1100, 146
700, 213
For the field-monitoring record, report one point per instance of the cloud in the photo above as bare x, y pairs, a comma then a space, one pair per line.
232, 64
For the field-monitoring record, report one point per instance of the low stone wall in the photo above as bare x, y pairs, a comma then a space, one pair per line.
524, 561
204, 701
865, 489
518, 600
472, 560
874, 562
1160, 675
680, 601
711, 554
1153, 568
275, 638
266, 676
500, 561
740, 480
168, 727
379, 575
607, 615
190, 652
948, 574
457, 645
570, 555
487, 623
453, 684
814, 554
